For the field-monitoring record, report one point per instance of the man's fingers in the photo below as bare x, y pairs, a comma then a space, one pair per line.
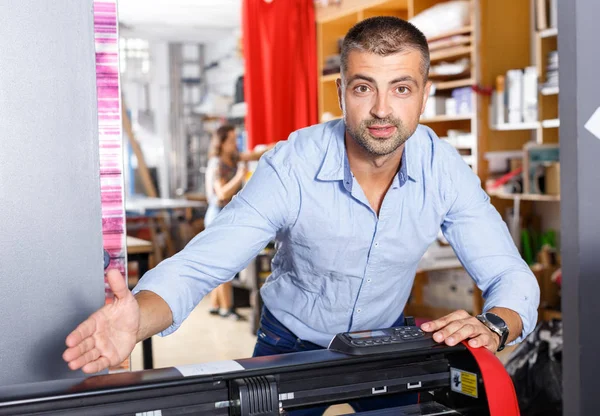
467, 330
117, 283
84, 330
98, 365
483, 340
448, 330
443, 321
77, 351
86, 358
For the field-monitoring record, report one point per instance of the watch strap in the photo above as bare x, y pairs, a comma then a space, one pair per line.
503, 334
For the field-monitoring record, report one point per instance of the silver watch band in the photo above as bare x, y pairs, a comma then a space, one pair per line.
502, 335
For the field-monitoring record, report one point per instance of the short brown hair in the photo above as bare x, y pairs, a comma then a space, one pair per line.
385, 35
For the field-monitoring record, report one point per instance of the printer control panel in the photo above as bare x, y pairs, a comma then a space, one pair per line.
395, 339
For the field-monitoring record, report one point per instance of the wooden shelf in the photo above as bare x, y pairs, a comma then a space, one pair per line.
520, 126
446, 85
525, 197
330, 77
463, 146
454, 52
469, 159
548, 33
549, 314
549, 91
444, 44
438, 119
348, 7
437, 77
550, 124
138, 246
461, 31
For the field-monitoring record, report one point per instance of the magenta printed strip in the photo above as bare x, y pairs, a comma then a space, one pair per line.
110, 132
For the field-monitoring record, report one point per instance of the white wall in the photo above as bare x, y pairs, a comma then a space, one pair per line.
154, 139
160, 101
222, 79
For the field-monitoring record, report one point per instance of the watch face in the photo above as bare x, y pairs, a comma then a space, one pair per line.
495, 320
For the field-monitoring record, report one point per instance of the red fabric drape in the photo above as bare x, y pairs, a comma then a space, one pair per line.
280, 80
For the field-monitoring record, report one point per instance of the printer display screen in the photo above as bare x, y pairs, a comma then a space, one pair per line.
367, 334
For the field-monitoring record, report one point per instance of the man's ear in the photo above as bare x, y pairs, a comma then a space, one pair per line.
426, 91
340, 91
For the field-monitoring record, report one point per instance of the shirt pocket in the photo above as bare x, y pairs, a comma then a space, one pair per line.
325, 245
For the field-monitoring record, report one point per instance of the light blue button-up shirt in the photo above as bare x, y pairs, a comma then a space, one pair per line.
340, 267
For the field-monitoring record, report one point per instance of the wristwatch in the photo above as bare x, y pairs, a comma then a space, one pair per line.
496, 325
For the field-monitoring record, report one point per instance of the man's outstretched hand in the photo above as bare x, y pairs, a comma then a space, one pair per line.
109, 335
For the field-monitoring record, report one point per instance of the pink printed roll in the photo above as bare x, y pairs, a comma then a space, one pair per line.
110, 133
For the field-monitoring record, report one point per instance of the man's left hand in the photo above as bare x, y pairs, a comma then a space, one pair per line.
458, 326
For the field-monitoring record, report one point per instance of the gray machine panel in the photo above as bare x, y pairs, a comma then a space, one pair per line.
51, 259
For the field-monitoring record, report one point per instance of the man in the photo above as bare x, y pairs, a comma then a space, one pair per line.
353, 204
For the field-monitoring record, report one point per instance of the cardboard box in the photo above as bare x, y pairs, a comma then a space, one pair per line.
436, 106
553, 178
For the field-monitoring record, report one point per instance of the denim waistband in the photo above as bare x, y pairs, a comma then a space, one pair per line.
273, 324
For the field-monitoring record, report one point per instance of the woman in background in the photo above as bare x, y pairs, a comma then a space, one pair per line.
225, 174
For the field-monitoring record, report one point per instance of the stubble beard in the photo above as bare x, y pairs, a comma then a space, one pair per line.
379, 146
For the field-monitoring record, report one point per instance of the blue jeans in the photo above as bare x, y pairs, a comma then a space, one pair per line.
274, 338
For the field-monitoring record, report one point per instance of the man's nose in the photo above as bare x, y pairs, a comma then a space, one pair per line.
381, 108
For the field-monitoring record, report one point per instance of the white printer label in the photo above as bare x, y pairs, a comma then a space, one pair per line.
216, 367
463, 382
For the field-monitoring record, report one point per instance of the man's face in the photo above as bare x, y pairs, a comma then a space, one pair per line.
382, 98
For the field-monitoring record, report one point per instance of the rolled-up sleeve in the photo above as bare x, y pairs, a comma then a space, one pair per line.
484, 246
242, 229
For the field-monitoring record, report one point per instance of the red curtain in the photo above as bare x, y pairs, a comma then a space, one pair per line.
280, 80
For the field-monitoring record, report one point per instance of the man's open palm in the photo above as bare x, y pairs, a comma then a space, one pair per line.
109, 335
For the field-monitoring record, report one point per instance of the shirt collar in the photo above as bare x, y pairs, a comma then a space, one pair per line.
335, 165
410, 158
332, 168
